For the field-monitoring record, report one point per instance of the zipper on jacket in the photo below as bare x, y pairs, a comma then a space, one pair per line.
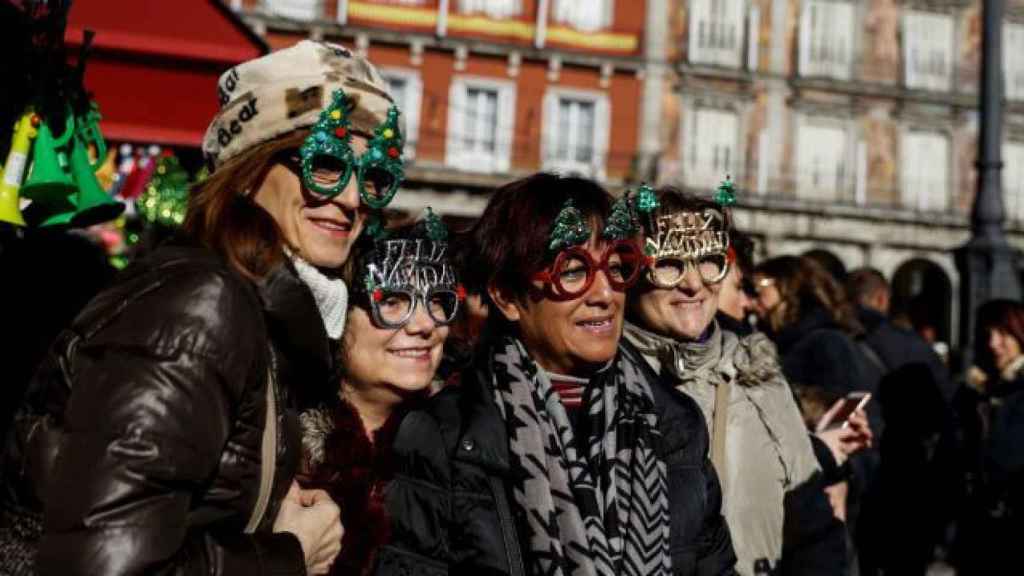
508, 528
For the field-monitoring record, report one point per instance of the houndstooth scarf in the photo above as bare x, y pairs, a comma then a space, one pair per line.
597, 505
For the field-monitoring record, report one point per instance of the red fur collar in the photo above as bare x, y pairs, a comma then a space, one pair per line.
354, 472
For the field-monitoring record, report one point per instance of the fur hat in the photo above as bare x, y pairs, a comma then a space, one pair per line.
285, 90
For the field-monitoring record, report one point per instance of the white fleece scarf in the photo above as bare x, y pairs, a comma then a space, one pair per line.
330, 294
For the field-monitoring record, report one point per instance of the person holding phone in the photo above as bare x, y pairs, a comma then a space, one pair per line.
775, 500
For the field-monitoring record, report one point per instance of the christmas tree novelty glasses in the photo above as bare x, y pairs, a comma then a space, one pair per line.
573, 271
688, 239
328, 162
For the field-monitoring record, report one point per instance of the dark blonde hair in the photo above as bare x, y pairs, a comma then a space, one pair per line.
804, 284
223, 217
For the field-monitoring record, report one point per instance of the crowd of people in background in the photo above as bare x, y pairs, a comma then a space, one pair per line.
580, 383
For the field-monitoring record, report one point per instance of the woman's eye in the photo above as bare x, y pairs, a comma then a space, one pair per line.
574, 273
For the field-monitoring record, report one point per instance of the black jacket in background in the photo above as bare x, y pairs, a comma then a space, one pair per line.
815, 352
141, 434
897, 347
450, 502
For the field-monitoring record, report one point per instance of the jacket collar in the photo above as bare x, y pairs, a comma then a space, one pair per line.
305, 357
484, 440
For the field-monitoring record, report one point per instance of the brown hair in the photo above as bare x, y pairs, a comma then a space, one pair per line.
509, 243
1004, 315
223, 217
804, 284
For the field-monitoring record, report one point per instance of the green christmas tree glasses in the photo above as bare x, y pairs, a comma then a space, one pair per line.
328, 161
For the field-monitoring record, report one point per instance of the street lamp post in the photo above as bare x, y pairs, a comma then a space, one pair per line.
987, 262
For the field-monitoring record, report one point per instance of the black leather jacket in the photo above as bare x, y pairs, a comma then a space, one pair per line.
142, 431
450, 501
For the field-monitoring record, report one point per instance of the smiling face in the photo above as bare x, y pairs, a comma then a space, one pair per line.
1004, 347
571, 337
385, 366
681, 313
321, 231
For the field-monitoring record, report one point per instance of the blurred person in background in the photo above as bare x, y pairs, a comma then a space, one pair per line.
807, 315
170, 406
735, 302
405, 295
917, 467
774, 491
991, 407
559, 451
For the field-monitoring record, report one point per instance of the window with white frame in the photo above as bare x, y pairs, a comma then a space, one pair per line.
406, 87
481, 122
1013, 60
295, 9
576, 131
712, 147
492, 8
1013, 180
716, 32
585, 15
823, 167
924, 161
826, 39
928, 50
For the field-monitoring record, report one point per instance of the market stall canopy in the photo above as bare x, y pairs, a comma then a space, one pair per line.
155, 64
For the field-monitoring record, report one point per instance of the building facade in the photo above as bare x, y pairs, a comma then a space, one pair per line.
490, 89
850, 126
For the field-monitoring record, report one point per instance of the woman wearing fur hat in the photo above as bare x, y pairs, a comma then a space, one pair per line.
161, 436
760, 446
405, 295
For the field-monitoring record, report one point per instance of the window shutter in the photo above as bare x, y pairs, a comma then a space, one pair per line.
295, 9
505, 132
805, 39
1013, 180
699, 24
602, 136
456, 123
549, 128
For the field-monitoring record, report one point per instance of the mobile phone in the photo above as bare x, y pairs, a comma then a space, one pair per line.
851, 403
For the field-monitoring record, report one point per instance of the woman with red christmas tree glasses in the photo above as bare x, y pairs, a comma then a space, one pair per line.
559, 452
404, 296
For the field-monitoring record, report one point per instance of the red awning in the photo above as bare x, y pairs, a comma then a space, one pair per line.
155, 64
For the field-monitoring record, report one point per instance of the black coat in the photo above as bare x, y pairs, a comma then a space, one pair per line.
450, 501
897, 347
157, 396
815, 352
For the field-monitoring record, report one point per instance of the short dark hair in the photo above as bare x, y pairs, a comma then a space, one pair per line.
509, 243
865, 282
